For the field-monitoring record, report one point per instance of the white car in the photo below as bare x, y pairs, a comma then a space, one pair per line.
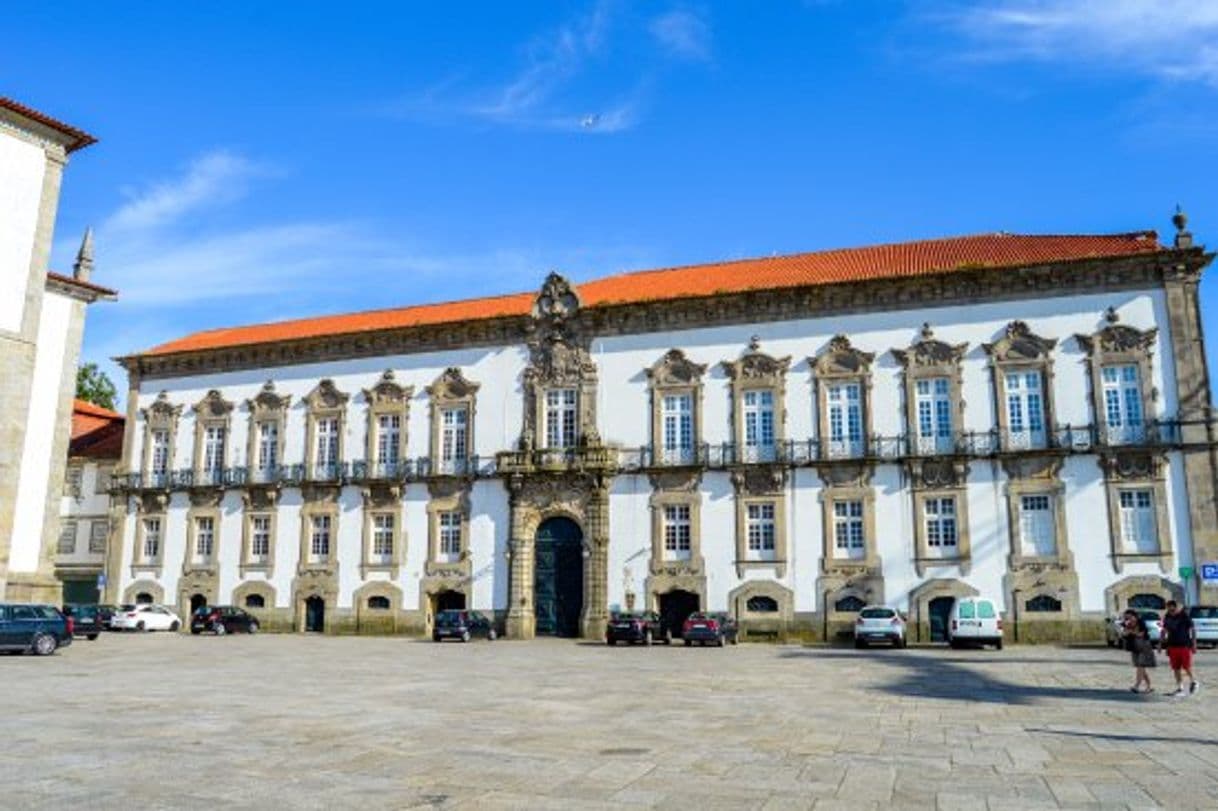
878, 623
974, 620
146, 618
1205, 622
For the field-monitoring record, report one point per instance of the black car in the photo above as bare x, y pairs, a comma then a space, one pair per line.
463, 625
87, 620
715, 629
223, 619
637, 626
38, 629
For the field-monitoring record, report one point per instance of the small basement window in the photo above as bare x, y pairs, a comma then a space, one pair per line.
378, 603
143, 598
849, 605
255, 601
1152, 601
762, 605
1043, 603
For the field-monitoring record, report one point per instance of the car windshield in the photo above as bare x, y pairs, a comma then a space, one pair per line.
966, 610
1204, 612
877, 613
985, 610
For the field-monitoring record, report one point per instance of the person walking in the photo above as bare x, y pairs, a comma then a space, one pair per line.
1180, 641
1137, 642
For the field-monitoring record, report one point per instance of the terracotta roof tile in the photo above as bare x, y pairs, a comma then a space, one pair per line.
899, 260
79, 138
97, 432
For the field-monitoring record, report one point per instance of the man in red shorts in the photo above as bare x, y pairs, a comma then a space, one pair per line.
1180, 641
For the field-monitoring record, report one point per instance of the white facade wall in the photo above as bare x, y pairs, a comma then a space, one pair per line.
22, 167
624, 419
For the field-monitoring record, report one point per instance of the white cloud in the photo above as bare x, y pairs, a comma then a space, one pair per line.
218, 176
683, 34
1169, 39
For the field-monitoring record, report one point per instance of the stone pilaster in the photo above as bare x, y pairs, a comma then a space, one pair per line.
119, 501
521, 622
596, 563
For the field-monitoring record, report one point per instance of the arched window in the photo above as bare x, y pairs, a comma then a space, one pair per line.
1147, 601
849, 605
143, 598
1043, 603
378, 603
762, 605
255, 601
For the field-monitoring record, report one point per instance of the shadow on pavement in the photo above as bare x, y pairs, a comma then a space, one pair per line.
1109, 736
930, 677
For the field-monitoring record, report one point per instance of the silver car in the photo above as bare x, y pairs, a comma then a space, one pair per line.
1114, 631
1205, 622
878, 623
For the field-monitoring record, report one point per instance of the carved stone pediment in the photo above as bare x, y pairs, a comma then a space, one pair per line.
381, 494
1131, 466
150, 503
387, 390
930, 351
213, 405
1034, 468
759, 480
447, 575
1019, 343
546, 492
267, 402
937, 474
676, 568
556, 361
260, 497
676, 481
557, 300
326, 397
840, 357
756, 366
451, 385
1119, 338
846, 474
320, 493
444, 487
161, 410
206, 497
674, 369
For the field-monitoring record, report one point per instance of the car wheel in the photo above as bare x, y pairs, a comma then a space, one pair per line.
858, 643
465, 636
139, 626
998, 645
735, 640
647, 638
43, 645
719, 642
253, 627
491, 636
610, 641
220, 629
174, 626
689, 643
904, 642
91, 637
196, 631
435, 637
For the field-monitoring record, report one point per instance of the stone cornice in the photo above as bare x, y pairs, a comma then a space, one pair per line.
957, 287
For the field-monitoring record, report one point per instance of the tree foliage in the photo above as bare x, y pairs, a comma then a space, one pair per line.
94, 386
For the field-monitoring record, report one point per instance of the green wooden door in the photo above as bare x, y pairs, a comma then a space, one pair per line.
558, 577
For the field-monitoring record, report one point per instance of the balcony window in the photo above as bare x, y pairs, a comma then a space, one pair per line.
267, 450
677, 422
214, 437
454, 437
758, 425
1122, 392
1025, 410
159, 456
845, 419
561, 418
934, 409
326, 457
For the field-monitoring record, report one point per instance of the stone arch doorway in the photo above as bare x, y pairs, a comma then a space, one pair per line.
314, 614
558, 577
447, 600
197, 601
941, 592
675, 608
940, 611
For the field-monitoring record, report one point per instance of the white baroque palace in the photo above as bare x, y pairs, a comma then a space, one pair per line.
788, 438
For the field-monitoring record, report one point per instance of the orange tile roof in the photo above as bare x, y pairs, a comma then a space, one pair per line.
79, 138
96, 432
895, 261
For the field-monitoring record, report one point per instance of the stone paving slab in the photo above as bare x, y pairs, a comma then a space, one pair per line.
285, 722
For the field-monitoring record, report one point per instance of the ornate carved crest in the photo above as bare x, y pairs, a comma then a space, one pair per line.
260, 497
325, 396
755, 365
1018, 342
152, 502
557, 300
212, 405
1119, 338
930, 351
445, 487
206, 496
382, 494
556, 361
1131, 466
676, 568
548, 492
451, 385
676, 481
759, 480
267, 402
846, 475
1043, 468
674, 369
387, 390
320, 492
937, 474
161, 410
841, 358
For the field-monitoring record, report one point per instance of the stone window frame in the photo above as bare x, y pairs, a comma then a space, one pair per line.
104, 524
247, 541
738, 600
757, 484
672, 375
324, 401
757, 371
139, 561
73, 480
1019, 349
451, 390
64, 526
382, 501
676, 491
212, 411
858, 489
203, 504
447, 499
160, 415
930, 358
935, 479
841, 363
1039, 480
386, 398
318, 501
266, 406
1137, 471
1119, 344
102, 479
260, 588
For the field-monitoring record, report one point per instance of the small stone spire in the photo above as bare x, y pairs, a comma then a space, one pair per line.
83, 268
1184, 237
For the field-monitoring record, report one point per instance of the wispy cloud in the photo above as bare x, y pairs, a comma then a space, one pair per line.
1168, 39
683, 34
215, 177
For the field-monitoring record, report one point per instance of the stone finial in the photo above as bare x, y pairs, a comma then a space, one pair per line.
82, 269
755, 343
1111, 315
927, 332
1184, 237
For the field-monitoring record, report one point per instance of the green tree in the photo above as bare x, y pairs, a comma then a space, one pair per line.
94, 386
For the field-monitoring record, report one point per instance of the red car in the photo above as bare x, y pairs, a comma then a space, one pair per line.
715, 629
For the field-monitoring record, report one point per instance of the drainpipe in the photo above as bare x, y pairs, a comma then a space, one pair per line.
1015, 614
825, 617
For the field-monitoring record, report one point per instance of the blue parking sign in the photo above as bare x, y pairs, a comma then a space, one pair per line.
1209, 573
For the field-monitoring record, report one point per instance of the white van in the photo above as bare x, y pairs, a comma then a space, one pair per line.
974, 620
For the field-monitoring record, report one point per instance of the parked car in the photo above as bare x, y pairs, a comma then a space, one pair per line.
1113, 631
37, 629
223, 619
1154, 625
877, 623
975, 621
715, 629
87, 620
146, 617
637, 626
1205, 621
463, 625
115, 610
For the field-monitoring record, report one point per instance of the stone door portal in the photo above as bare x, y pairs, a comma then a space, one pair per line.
940, 611
558, 577
315, 615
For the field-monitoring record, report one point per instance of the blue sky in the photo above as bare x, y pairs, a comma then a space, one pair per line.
257, 164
